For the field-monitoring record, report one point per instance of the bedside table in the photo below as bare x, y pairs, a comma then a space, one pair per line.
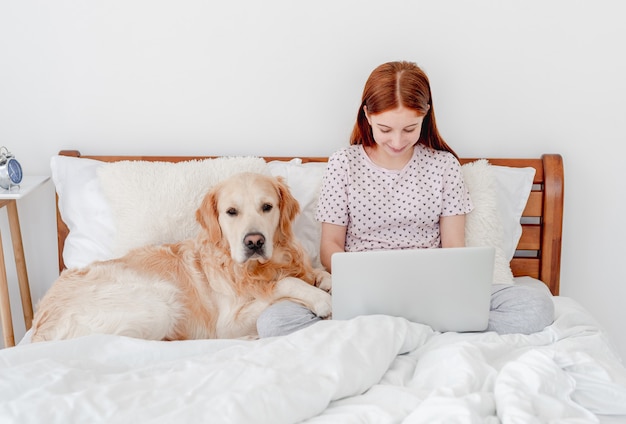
9, 199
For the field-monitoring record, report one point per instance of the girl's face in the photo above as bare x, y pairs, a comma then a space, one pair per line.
395, 131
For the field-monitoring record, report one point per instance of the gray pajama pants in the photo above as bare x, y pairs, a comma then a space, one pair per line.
517, 308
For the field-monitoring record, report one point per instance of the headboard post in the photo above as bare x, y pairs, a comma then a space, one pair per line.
552, 221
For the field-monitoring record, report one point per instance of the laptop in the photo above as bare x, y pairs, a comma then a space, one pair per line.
448, 289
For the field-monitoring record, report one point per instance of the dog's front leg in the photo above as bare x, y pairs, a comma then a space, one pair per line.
291, 288
323, 279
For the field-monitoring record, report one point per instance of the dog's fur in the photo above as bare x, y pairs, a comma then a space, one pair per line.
214, 286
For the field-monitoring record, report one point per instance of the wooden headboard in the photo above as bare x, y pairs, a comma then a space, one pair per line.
539, 248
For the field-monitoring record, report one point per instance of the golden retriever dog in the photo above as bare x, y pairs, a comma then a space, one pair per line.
213, 286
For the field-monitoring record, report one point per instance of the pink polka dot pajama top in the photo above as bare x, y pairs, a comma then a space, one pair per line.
392, 209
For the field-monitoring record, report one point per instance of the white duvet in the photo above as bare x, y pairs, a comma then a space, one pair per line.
375, 369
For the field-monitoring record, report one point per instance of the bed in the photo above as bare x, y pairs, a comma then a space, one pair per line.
371, 369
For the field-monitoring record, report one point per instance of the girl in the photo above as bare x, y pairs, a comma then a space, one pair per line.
400, 186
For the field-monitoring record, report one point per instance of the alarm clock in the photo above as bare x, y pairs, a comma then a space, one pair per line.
10, 170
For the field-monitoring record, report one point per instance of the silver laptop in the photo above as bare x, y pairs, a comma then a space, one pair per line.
448, 289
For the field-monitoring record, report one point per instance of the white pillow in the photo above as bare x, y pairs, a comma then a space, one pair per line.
304, 181
513, 186
156, 202
84, 210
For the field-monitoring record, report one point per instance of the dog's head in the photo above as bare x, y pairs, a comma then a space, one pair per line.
249, 214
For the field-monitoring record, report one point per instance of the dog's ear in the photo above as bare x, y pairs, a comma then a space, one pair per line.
289, 207
207, 215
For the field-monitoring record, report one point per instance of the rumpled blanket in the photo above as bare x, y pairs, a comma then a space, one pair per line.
373, 369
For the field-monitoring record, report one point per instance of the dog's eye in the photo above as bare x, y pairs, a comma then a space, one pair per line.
231, 211
267, 207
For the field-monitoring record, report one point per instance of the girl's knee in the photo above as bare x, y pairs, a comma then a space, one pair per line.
520, 309
283, 318
541, 311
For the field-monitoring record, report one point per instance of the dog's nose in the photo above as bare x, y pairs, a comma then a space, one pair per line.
254, 241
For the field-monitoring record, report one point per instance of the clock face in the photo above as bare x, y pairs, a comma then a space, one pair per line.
15, 171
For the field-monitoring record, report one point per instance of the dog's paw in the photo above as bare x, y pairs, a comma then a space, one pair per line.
322, 305
323, 280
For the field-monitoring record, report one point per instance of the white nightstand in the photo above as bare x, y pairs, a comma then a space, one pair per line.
9, 199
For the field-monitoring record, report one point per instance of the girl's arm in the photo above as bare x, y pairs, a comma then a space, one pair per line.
452, 230
333, 240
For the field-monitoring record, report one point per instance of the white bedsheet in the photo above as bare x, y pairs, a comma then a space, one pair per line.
373, 369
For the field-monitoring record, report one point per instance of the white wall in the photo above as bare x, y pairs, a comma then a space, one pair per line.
510, 78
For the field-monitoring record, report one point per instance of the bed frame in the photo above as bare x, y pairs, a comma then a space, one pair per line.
539, 248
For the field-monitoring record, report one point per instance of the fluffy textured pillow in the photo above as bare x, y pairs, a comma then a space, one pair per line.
156, 202
99, 223
483, 225
499, 194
